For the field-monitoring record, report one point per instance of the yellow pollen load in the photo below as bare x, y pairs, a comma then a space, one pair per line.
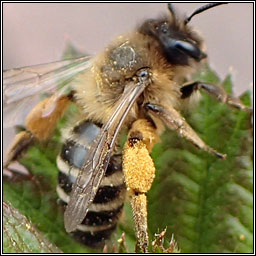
138, 167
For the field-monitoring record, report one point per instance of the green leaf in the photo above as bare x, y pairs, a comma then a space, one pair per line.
206, 203
35, 196
20, 236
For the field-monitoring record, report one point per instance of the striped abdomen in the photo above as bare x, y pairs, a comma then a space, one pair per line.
102, 216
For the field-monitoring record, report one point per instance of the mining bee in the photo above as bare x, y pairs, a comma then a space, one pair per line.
138, 83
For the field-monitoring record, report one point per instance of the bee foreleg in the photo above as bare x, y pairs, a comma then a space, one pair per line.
216, 91
139, 172
173, 119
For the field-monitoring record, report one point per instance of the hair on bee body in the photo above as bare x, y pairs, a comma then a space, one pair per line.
138, 83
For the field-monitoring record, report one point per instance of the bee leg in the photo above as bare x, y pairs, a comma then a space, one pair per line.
139, 172
42, 124
20, 143
216, 91
175, 121
38, 126
139, 209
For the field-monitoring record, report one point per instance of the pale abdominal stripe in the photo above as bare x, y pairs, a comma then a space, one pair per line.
106, 208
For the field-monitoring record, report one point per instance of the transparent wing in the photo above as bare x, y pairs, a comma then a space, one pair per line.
94, 168
23, 87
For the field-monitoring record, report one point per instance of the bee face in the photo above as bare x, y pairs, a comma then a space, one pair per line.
177, 42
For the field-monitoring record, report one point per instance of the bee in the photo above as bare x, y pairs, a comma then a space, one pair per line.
139, 83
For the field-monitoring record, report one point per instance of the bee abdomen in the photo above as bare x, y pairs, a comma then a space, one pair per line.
104, 212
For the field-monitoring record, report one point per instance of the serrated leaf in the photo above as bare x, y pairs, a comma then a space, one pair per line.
20, 236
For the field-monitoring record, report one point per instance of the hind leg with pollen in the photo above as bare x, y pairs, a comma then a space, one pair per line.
139, 171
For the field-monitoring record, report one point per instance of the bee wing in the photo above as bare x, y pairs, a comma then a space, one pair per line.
23, 87
93, 170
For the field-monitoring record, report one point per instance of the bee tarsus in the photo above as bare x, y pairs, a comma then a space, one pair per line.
214, 90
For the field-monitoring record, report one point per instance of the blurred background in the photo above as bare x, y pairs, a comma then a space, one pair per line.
35, 33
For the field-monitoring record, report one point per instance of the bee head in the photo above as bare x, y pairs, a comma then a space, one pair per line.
178, 43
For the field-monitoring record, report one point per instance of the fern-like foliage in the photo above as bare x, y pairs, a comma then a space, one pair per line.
206, 203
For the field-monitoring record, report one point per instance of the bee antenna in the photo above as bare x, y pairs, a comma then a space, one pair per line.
201, 9
171, 9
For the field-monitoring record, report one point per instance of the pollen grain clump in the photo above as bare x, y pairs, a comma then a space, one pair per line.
138, 166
